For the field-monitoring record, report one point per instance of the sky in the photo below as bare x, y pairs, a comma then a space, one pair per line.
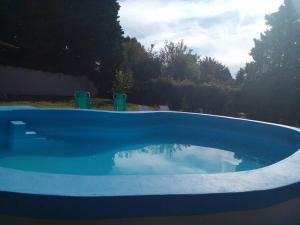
223, 29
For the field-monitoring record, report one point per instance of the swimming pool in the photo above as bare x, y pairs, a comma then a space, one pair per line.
95, 165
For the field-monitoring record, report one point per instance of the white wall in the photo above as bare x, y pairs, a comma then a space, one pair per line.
20, 81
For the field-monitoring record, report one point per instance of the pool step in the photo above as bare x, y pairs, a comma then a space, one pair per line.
18, 135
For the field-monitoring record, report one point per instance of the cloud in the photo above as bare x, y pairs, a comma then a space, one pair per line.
223, 29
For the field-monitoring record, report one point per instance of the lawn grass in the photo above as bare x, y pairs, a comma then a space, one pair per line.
96, 103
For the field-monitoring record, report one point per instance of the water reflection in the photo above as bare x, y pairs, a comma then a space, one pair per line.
96, 159
174, 159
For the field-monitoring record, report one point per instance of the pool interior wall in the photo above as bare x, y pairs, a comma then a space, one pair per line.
37, 195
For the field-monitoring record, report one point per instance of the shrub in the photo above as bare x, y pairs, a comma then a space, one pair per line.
123, 82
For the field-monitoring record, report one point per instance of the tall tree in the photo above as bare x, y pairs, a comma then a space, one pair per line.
279, 46
75, 37
272, 84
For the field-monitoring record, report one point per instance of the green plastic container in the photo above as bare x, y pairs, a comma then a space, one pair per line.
82, 100
119, 102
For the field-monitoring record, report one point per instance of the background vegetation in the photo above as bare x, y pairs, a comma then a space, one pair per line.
85, 38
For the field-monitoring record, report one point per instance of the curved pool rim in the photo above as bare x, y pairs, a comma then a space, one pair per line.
124, 196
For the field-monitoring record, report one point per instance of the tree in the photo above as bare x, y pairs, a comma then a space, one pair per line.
213, 71
186, 81
279, 46
179, 62
143, 64
240, 76
271, 90
74, 37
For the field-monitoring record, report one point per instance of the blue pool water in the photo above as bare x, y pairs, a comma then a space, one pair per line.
136, 144
140, 159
